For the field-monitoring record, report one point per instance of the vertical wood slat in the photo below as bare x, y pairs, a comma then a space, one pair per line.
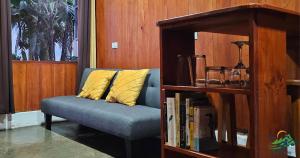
59, 79
33, 86
100, 32
34, 81
20, 86
70, 81
47, 82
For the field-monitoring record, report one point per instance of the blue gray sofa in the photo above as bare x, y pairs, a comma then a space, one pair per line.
130, 123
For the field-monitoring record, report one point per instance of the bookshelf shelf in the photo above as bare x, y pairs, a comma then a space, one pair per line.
208, 89
293, 82
187, 152
225, 151
271, 30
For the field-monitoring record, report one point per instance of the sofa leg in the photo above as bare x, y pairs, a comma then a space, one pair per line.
128, 147
48, 121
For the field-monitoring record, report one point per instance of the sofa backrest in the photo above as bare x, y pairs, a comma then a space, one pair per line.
150, 94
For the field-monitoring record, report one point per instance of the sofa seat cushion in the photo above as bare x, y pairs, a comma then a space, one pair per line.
127, 122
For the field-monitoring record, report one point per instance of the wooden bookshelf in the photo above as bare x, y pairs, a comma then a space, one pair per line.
270, 29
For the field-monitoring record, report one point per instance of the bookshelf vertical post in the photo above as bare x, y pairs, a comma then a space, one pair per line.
268, 88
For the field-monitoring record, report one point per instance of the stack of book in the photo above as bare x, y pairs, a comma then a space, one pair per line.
188, 121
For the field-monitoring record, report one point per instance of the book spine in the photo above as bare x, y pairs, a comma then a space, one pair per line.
191, 124
196, 128
187, 123
171, 121
177, 118
166, 123
182, 126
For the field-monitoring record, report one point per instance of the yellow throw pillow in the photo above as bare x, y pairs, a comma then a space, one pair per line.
96, 84
127, 86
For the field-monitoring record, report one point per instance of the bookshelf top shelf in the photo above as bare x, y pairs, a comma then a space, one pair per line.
207, 89
204, 21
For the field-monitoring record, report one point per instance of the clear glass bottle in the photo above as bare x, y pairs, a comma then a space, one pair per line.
197, 65
200, 70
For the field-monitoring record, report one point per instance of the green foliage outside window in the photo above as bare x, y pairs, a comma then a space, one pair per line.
44, 29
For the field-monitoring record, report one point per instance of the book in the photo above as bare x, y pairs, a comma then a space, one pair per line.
187, 123
196, 128
182, 124
165, 122
171, 123
191, 125
177, 118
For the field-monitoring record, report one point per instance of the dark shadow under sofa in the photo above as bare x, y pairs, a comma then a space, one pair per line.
130, 123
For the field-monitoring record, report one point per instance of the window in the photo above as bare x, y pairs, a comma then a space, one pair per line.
44, 30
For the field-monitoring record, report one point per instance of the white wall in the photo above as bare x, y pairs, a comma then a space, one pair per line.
23, 119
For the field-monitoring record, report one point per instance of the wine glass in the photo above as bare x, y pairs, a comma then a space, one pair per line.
236, 75
240, 45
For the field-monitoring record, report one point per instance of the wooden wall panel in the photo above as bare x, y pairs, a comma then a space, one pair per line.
46, 83
20, 86
146, 29
132, 23
101, 32
34, 81
177, 8
70, 82
59, 79
33, 86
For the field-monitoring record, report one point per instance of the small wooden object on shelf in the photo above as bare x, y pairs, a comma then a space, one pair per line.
269, 30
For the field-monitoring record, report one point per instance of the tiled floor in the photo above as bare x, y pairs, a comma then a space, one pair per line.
69, 140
